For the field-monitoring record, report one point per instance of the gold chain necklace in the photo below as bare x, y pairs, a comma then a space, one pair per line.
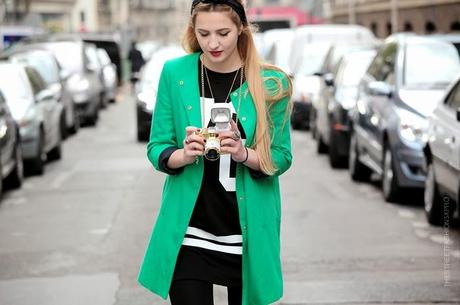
202, 95
210, 88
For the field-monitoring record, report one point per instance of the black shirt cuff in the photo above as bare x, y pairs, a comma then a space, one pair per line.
163, 162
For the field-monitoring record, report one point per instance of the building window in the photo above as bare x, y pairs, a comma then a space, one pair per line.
408, 27
374, 28
455, 26
430, 27
389, 28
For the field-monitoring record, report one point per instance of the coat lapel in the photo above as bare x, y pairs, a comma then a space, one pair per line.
189, 90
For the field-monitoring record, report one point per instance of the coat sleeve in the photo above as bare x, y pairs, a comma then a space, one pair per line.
162, 132
280, 132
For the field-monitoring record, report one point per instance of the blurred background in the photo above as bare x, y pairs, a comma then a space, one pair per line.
371, 205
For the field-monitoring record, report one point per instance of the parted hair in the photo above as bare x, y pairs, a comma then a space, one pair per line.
264, 96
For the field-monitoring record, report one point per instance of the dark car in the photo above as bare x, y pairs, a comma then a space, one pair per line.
147, 86
326, 73
11, 166
400, 89
339, 97
442, 152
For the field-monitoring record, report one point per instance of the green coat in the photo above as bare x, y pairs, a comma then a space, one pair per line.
178, 106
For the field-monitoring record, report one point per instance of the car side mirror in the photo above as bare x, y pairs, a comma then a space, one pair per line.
379, 89
91, 68
329, 79
64, 74
458, 114
44, 95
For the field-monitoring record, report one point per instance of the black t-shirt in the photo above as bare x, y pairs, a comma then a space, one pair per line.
212, 247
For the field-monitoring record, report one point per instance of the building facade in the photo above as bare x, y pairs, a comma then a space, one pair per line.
385, 17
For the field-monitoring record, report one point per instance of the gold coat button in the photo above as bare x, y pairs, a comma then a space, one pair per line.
243, 118
189, 107
235, 94
181, 82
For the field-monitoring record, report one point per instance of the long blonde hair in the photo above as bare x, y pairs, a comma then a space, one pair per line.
264, 98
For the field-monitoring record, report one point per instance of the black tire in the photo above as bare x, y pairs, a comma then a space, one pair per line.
433, 203
390, 187
63, 126
92, 120
311, 123
76, 121
37, 164
142, 136
357, 170
16, 177
335, 159
56, 152
321, 147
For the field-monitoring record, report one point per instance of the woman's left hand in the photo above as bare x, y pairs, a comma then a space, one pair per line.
230, 142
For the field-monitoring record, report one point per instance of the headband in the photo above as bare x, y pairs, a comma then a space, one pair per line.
235, 5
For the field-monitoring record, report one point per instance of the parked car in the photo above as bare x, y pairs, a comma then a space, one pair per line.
442, 154
146, 88
399, 90
36, 111
328, 68
306, 83
339, 96
277, 47
46, 64
11, 166
80, 70
326, 33
453, 38
109, 75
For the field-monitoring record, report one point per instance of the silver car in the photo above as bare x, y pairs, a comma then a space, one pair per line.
48, 67
109, 75
442, 154
37, 112
80, 69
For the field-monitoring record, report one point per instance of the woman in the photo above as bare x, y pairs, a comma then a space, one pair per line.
219, 221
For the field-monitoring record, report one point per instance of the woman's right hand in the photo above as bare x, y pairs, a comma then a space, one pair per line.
193, 144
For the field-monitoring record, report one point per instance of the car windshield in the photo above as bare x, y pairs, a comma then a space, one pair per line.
44, 64
430, 65
312, 59
352, 71
68, 55
15, 88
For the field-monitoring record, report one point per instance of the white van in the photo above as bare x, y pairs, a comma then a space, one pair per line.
326, 33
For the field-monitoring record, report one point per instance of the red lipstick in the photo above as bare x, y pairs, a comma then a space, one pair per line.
215, 53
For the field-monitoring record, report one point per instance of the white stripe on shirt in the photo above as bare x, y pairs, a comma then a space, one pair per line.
229, 239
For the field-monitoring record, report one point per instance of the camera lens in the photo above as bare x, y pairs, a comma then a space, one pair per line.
212, 154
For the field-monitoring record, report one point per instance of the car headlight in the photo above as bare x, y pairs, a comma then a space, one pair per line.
79, 84
413, 128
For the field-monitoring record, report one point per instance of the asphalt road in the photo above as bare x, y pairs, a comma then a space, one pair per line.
77, 234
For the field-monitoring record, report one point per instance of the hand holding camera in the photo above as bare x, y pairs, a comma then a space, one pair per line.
211, 142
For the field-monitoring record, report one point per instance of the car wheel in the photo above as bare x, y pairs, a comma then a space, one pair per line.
63, 126
56, 152
358, 171
76, 121
335, 159
38, 163
390, 187
312, 124
321, 147
142, 136
433, 203
16, 177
